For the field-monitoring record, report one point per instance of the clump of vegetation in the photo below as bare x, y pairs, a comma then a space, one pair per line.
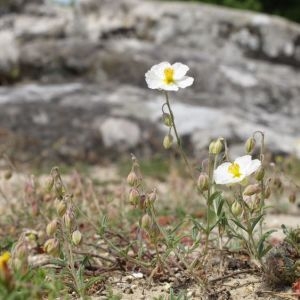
74, 236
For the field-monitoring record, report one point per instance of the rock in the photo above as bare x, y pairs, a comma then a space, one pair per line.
120, 133
80, 73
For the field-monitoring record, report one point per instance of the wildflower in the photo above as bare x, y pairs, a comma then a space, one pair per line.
237, 171
4, 258
5, 273
167, 77
216, 147
76, 237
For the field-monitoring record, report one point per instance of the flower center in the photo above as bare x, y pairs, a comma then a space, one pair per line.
234, 169
169, 76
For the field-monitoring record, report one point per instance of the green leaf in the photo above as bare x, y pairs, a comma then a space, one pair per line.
220, 206
239, 224
214, 196
255, 221
260, 246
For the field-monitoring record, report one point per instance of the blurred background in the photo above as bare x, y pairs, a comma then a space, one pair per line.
72, 82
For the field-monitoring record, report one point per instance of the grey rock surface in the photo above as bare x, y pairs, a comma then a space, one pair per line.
78, 77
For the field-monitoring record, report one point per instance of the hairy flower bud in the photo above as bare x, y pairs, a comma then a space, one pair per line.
132, 179
252, 190
152, 197
250, 145
168, 141
49, 184
267, 192
203, 182
236, 209
216, 147
51, 247
167, 119
146, 222
134, 196
51, 228
68, 219
260, 174
76, 237
292, 197
61, 207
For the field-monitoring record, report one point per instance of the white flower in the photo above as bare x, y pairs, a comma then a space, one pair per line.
242, 167
165, 76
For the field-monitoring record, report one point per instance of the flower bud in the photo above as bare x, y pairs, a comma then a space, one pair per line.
260, 174
203, 182
152, 197
252, 190
49, 184
168, 141
51, 228
167, 119
216, 147
59, 189
8, 174
146, 222
132, 179
292, 197
236, 208
267, 192
61, 207
76, 237
250, 145
68, 218
51, 247
134, 196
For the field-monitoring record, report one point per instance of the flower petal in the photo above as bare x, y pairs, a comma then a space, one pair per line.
253, 166
159, 69
179, 70
169, 87
243, 160
153, 81
185, 82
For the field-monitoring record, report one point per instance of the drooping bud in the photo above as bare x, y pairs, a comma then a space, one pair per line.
68, 219
216, 147
49, 184
236, 208
132, 178
152, 197
51, 247
51, 228
267, 192
168, 141
134, 196
146, 222
76, 237
203, 182
59, 188
167, 119
292, 197
8, 174
250, 145
260, 174
252, 189
61, 207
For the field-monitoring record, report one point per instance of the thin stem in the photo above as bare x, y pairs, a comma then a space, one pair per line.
178, 140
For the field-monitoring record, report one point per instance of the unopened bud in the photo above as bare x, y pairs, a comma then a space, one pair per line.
292, 197
236, 208
250, 145
277, 183
8, 174
152, 197
216, 147
76, 237
68, 218
132, 179
168, 141
59, 189
146, 222
252, 190
61, 207
267, 192
167, 119
51, 228
49, 184
134, 196
21, 250
260, 174
51, 247
203, 182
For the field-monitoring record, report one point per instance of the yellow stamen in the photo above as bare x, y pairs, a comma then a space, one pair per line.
234, 169
169, 76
